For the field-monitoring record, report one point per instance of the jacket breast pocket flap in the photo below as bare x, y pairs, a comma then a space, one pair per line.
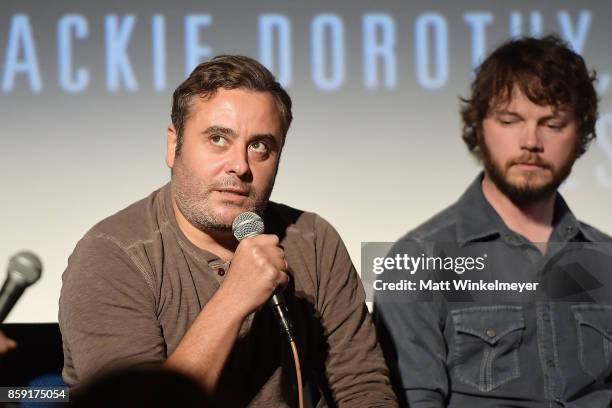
486, 344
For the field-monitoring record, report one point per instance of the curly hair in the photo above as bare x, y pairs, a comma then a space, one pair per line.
546, 71
227, 72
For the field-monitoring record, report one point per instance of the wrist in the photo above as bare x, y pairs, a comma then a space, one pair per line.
232, 307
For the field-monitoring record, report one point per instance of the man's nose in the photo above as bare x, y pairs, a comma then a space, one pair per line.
238, 162
530, 138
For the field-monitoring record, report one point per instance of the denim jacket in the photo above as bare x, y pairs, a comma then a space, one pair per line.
526, 354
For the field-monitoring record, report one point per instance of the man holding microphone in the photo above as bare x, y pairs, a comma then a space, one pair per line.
165, 280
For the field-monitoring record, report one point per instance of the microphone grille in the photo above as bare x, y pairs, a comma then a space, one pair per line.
26, 266
246, 225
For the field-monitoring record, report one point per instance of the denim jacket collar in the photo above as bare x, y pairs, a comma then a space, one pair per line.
478, 220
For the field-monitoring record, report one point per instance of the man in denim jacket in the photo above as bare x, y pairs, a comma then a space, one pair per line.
531, 114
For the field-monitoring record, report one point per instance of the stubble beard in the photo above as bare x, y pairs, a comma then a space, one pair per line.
193, 198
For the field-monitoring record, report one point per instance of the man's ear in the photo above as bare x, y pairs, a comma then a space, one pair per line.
170, 145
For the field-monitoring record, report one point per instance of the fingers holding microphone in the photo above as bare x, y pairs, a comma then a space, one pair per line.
257, 270
269, 258
247, 225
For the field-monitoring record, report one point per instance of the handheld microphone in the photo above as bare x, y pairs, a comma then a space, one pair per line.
23, 270
249, 224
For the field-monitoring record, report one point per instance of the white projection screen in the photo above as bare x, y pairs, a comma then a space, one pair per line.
375, 147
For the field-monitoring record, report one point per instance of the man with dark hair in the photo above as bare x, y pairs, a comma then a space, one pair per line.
531, 114
165, 281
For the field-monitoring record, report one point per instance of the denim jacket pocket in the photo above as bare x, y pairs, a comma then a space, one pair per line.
486, 343
594, 325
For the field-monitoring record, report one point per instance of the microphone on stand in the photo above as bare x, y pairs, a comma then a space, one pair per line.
249, 224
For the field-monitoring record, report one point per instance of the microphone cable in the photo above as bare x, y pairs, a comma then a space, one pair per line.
249, 224
298, 374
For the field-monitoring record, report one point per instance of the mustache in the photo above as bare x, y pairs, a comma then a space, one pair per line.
530, 158
258, 202
230, 184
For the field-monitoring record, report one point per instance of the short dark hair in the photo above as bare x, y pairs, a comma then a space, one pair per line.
546, 71
227, 72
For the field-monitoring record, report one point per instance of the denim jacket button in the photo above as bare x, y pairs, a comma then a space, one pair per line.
491, 333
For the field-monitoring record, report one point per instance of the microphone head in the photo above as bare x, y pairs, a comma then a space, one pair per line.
247, 225
25, 267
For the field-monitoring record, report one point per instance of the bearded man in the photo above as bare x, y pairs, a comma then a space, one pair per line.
531, 114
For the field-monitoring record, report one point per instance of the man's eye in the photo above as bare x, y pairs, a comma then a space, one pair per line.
555, 126
217, 140
505, 121
259, 147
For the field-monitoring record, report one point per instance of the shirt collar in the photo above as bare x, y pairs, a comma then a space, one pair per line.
566, 225
478, 220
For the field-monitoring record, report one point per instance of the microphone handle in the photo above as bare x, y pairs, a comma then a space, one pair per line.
277, 303
10, 293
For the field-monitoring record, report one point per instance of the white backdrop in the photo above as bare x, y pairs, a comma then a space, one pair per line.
85, 94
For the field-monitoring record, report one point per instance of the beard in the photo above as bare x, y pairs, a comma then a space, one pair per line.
193, 198
533, 186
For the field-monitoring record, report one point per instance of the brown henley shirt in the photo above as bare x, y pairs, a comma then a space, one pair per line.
134, 284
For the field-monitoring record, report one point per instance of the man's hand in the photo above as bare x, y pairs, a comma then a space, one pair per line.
257, 269
6, 344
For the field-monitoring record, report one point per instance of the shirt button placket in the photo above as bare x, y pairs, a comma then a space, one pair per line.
545, 332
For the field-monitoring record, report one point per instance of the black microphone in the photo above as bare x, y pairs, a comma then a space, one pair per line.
23, 270
249, 224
